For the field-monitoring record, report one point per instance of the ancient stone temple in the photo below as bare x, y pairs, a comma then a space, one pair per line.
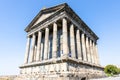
59, 46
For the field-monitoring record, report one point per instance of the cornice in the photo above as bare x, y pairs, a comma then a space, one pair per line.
60, 60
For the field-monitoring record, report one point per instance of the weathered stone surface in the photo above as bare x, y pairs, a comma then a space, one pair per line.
63, 48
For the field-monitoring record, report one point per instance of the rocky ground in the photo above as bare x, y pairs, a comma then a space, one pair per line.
108, 78
11, 77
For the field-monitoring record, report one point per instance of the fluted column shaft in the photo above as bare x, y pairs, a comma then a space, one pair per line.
65, 38
91, 51
90, 55
78, 40
88, 51
94, 52
27, 50
46, 44
83, 47
97, 57
42, 50
54, 46
39, 46
72, 41
32, 48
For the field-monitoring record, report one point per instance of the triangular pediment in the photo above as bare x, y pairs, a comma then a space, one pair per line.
43, 17
44, 14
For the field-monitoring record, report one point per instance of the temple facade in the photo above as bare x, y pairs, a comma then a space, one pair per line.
60, 44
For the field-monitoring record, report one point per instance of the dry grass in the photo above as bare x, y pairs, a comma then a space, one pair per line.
7, 78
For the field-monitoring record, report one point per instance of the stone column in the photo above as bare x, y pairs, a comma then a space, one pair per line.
39, 46
54, 46
83, 47
65, 38
90, 56
91, 51
97, 57
27, 50
42, 49
46, 45
72, 41
78, 40
88, 51
94, 52
32, 48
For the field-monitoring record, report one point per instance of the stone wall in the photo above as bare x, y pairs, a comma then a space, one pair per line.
44, 69
63, 69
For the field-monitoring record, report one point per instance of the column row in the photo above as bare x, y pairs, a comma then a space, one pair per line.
81, 46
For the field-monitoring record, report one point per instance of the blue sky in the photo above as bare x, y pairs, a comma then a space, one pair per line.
102, 16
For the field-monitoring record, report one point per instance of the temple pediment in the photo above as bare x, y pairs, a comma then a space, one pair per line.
44, 14
43, 17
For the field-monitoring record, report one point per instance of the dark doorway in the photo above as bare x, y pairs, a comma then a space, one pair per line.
84, 78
